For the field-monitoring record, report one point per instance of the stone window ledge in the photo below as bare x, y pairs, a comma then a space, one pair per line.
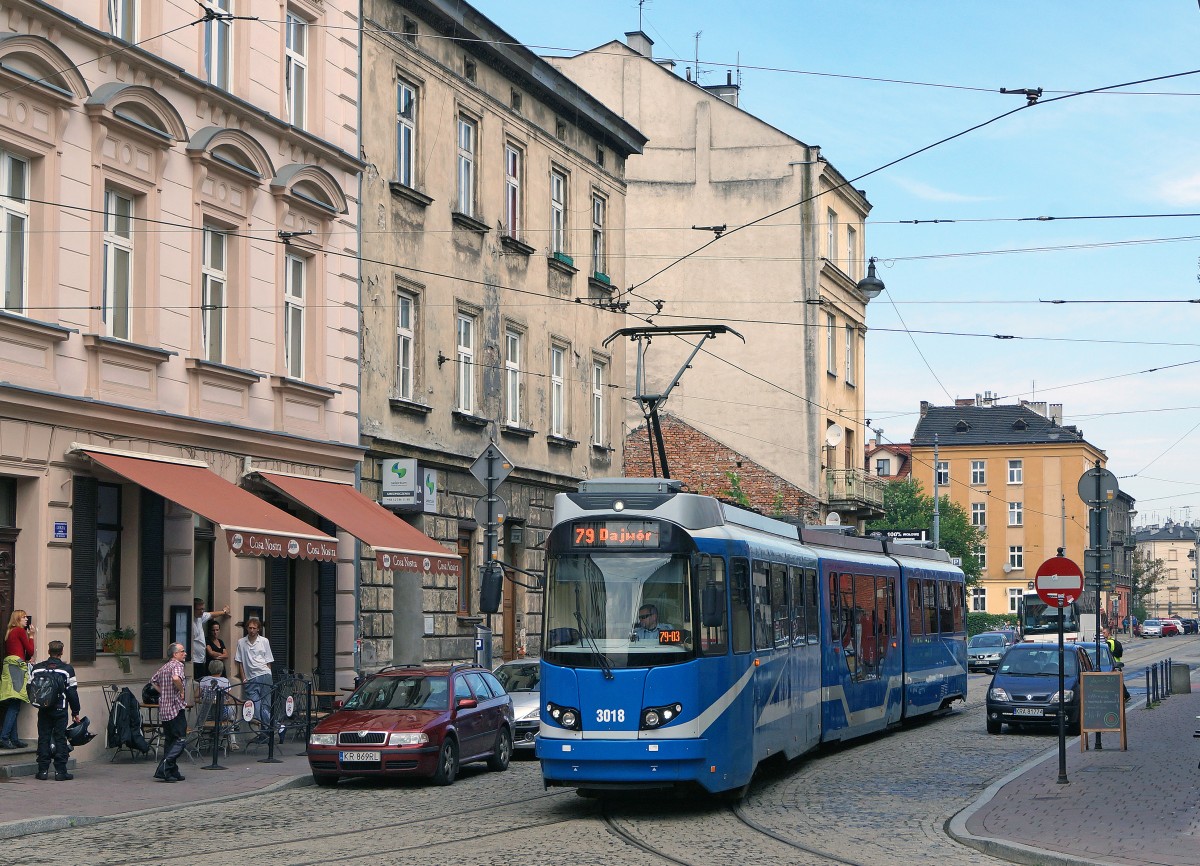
399, 404
513, 245
517, 432
288, 385
469, 223
561, 441
407, 192
125, 349
469, 420
222, 371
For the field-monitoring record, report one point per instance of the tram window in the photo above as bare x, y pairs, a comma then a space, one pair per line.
810, 606
835, 609
714, 630
760, 585
866, 647
739, 595
916, 618
849, 638
956, 601
796, 580
929, 599
885, 614
945, 607
781, 620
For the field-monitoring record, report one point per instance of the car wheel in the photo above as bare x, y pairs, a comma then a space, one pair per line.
447, 766
503, 754
994, 726
325, 780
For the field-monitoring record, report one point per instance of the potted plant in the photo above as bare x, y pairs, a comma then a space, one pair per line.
119, 641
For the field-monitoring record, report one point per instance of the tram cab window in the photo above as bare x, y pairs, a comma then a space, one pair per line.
739, 597
781, 618
760, 584
796, 582
916, 616
714, 625
811, 599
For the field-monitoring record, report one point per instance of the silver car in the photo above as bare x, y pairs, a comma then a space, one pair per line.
985, 650
1152, 628
522, 679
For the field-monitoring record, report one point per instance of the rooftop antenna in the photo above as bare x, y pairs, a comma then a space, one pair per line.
641, 3
698, 34
651, 403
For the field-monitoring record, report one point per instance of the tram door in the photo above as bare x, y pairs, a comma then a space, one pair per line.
805, 668
863, 629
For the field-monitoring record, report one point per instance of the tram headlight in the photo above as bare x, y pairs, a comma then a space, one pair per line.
656, 717
567, 717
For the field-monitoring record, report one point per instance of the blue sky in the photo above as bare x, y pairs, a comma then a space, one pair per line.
1092, 155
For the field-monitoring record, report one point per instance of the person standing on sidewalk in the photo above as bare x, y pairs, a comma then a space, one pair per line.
52, 721
254, 659
18, 652
199, 652
169, 680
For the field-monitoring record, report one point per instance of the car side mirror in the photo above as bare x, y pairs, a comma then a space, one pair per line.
467, 703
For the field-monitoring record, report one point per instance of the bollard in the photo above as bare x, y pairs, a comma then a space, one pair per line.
1149, 702
1154, 687
270, 729
308, 725
219, 711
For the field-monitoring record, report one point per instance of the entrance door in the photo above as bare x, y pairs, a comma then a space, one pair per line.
8, 574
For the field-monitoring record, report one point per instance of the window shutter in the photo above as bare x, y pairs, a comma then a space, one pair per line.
326, 616
279, 621
152, 565
84, 504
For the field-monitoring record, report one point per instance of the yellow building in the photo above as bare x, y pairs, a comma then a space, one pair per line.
1014, 470
1175, 545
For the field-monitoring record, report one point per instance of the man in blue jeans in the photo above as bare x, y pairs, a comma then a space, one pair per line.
169, 680
254, 659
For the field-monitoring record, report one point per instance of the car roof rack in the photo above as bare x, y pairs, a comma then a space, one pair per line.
387, 668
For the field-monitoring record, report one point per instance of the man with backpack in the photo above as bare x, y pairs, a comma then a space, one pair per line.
52, 687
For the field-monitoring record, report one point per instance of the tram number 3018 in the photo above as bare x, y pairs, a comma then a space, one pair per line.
610, 715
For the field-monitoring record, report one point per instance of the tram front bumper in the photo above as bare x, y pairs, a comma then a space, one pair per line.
579, 762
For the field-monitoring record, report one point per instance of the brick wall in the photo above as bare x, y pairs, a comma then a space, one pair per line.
702, 462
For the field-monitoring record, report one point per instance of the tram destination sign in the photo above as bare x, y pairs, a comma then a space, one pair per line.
620, 534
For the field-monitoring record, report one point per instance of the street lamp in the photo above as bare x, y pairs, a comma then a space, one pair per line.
870, 285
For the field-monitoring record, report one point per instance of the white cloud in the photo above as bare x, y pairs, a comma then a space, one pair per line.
1183, 191
931, 193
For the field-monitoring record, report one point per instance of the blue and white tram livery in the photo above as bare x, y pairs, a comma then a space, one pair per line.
685, 641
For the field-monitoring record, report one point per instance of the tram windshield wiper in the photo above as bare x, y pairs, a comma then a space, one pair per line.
586, 630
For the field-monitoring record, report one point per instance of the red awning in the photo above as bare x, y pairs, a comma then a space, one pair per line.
252, 527
399, 546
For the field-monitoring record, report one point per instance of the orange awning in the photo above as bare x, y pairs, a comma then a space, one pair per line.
398, 546
252, 526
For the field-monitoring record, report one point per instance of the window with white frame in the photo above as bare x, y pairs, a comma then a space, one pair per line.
117, 290
406, 133
1016, 556
850, 354
1014, 598
978, 472
467, 133
214, 284
979, 514
831, 232
558, 211
599, 253
465, 401
513, 178
598, 403
218, 40
981, 556
883, 466
14, 221
852, 252
558, 407
943, 473
122, 19
295, 297
978, 598
406, 335
1016, 514
831, 344
1015, 472
295, 65
512, 378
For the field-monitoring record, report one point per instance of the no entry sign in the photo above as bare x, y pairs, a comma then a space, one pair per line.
1059, 581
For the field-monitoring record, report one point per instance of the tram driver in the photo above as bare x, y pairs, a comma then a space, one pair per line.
647, 626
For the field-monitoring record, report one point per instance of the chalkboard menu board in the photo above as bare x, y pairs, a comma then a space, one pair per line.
1102, 703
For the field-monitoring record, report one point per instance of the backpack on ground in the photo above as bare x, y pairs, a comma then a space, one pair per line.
45, 689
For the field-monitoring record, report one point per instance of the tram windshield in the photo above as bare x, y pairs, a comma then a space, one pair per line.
618, 610
1039, 618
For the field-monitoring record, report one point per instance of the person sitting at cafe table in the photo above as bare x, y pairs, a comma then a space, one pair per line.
217, 682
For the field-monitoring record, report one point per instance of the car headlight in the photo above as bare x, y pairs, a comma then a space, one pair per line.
998, 694
322, 739
1068, 696
407, 739
654, 717
568, 717
532, 714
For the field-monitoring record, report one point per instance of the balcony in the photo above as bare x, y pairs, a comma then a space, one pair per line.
854, 492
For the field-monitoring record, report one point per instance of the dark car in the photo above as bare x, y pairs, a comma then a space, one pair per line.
1190, 626
522, 679
1024, 689
414, 721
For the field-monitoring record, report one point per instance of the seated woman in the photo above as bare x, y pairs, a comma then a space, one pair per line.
217, 682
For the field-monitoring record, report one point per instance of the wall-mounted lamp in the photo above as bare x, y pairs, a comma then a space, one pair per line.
870, 285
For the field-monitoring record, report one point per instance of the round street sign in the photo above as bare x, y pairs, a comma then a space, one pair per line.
1098, 486
1059, 581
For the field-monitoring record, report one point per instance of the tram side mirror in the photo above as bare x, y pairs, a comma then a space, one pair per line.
713, 606
491, 588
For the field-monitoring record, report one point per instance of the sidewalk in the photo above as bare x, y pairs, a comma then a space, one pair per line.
101, 790
1140, 806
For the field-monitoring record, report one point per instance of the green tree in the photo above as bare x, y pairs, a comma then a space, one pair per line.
1146, 574
908, 508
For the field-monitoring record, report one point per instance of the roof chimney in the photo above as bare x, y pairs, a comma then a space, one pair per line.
1056, 413
640, 42
727, 91
925, 407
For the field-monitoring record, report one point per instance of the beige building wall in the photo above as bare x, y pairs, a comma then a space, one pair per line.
87, 117
1176, 592
709, 163
434, 260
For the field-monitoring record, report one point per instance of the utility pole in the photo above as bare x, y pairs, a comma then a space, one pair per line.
937, 514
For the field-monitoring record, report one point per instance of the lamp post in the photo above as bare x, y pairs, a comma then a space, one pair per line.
871, 285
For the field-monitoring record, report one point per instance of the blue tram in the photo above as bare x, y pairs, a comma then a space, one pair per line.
684, 640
